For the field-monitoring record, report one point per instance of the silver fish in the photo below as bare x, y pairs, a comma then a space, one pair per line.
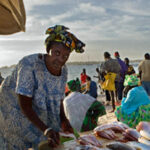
138, 145
119, 146
144, 140
87, 147
145, 133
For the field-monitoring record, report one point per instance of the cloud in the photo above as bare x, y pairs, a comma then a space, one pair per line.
88, 8
100, 20
96, 20
135, 7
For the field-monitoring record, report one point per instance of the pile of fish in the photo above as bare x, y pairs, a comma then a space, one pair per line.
109, 131
130, 139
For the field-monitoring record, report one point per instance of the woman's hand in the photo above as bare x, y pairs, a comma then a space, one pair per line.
66, 127
53, 138
143, 126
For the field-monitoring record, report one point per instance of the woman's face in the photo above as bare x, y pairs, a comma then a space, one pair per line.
58, 56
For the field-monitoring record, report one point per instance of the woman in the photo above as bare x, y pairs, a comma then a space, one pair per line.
130, 69
91, 87
82, 110
135, 105
31, 107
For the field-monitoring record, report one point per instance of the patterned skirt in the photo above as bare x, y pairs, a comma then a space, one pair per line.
132, 120
96, 110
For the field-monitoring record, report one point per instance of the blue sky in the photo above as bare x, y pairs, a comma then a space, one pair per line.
104, 25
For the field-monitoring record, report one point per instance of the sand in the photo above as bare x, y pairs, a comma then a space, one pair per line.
109, 117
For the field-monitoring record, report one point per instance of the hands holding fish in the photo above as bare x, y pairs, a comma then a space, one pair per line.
53, 138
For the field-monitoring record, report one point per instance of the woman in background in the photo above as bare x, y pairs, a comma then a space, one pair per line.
135, 105
82, 110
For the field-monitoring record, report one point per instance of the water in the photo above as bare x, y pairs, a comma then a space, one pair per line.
74, 70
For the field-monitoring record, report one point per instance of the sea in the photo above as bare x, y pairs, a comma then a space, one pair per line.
74, 70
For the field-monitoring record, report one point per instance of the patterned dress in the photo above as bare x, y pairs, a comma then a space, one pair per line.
30, 78
134, 108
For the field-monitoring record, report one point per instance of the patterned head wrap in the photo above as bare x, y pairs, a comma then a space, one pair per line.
74, 85
131, 80
59, 33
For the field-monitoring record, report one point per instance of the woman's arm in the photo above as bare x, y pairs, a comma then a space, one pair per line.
65, 124
26, 107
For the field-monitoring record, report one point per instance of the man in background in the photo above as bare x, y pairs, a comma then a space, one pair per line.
111, 65
119, 84
144, 71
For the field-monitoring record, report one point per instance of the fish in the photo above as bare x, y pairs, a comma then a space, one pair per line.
145, 133
87, 147
131, 134
107, 134
89, 140
119, 146
144, 141
138, 146
125, 126
113, 126
143, 126
69, 135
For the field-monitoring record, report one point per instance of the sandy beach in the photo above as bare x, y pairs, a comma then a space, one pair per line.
109, 117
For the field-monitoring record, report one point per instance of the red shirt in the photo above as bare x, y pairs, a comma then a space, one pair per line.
83, 78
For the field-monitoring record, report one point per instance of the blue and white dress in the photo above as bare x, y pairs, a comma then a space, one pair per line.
30, 78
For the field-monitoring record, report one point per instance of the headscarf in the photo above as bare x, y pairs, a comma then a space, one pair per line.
74, 85
131, 80
59, 33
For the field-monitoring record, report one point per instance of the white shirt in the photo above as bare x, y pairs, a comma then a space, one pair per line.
75, 106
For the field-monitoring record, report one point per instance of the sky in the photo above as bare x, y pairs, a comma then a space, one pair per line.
103, 25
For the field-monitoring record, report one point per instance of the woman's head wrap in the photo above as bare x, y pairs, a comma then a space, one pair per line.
131, 80
59, 33
74, 85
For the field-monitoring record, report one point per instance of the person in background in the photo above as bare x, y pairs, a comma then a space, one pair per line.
82, 110
130, 68
78, 84
111, 65
31, 106
83, 76
91, 87
135, 105
144, 71
99, 79
102, 79
98, 74
119, 84
1, 78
